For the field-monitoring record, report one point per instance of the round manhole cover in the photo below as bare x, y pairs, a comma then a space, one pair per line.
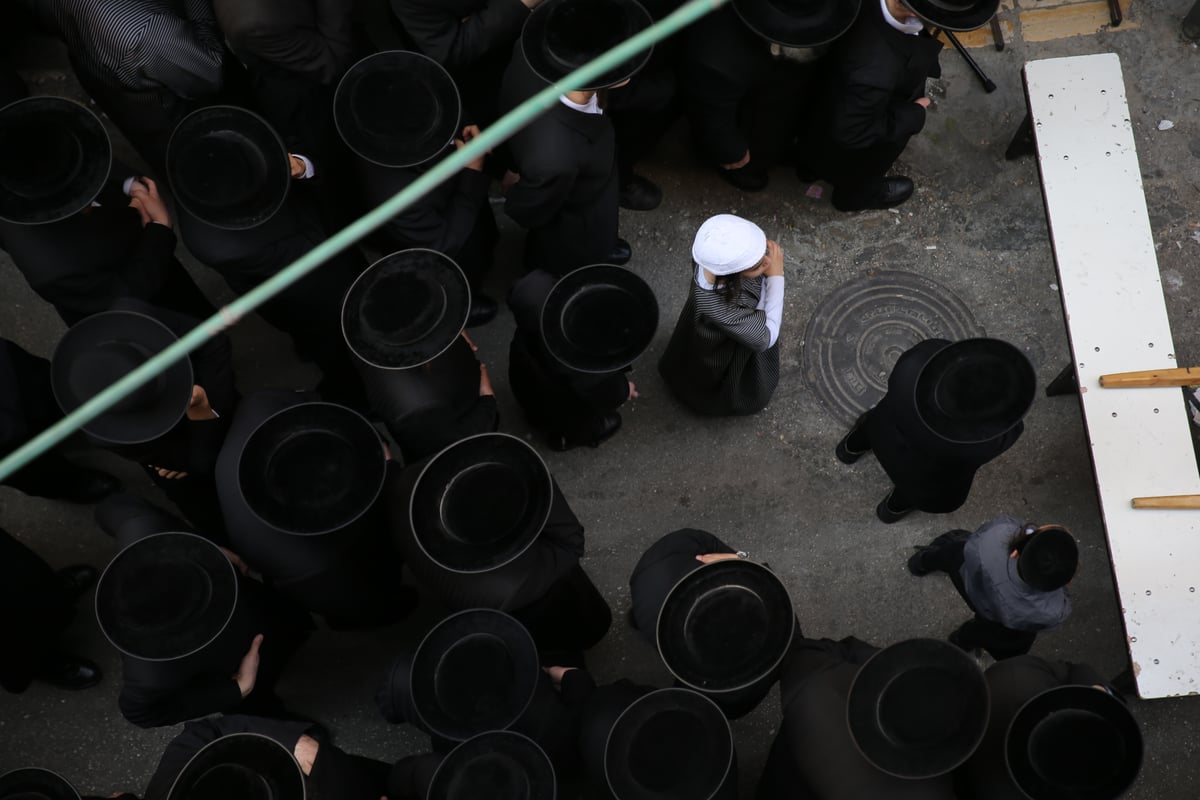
857, 333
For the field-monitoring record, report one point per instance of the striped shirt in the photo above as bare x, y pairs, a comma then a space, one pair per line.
141, 45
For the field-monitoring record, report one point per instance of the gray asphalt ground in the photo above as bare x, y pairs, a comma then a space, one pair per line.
769, 483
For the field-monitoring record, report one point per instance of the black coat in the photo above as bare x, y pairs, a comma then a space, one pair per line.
27, 406
567, 195
312, 39
35, 608
935, 474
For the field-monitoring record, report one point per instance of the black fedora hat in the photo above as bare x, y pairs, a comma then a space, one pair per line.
228, 167
798, 23
562, 35
497, 765
476, 671
975, 390
918, 708
55, 156
406, 309
166, 596
100, 350
240, 766
954, 15
599, 318
480, 503
311, 468
397, 108
34, 783
726, 625
670, 744
1074, 743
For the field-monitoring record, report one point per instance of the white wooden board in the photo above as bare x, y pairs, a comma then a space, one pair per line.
1117, 322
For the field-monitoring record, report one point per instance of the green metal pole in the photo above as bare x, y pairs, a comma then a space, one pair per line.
497, 133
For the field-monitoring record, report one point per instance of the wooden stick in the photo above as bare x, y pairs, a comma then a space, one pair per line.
1168, 501
1173, 376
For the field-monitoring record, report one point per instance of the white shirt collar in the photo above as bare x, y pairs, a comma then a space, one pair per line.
912, 27
592, 106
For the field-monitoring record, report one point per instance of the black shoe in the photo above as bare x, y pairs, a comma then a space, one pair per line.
78, 578
916, 562
621, 253
748, 178
640, 194
892, 192
87, 486
842, 451
887, 514
607, 427
602, 430
69, 672
483, 310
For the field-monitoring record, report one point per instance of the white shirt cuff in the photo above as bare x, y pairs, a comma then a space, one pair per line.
308, 166
128, 185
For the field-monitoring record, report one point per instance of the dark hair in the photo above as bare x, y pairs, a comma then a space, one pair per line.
728, 286
1047, 557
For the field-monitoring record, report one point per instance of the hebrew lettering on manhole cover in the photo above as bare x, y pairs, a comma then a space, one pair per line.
859, 330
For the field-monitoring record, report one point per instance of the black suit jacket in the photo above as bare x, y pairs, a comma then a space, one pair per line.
311, 38
35, 608
27, 403
662, 566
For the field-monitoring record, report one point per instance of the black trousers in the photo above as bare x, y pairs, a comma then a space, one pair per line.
641, 113
945, 554
196, 498
35, 609
572, 616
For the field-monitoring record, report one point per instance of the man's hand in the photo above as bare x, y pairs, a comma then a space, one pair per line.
306, 752
169, 474
198, 408
712, 558
236, 560
633, 392
531, 4
247, 672
485, 383
469, 133
509, 180
297, 167
146, 201
474, 347
556, 674
923, 102
741, 162
774, 259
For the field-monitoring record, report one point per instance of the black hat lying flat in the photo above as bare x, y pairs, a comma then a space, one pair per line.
166, 596
1074, 743
975, 390
34, 783
228, 167
397, 108
100, 350
918, 708
406, 309
798, 23
725, 626
497, 765
670, 744
563, 35
954, 15
54, 159
312, 468
599, 318
480, 503
476, 671
240, 766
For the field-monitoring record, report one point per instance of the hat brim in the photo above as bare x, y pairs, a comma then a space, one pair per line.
197, 560
880, 733
662, 718
725, 626
444, 701
939, 15
480, 766
828, 22
446, 488
93, 152
1106, 777
193, 163
432, 284
172, 387
582, 294
627, 16
36, 782
385, 82
1008, 405
250, 758
293, 490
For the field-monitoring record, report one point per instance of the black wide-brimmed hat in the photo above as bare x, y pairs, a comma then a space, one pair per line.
725, 626
100, 350
480, 503
975, 390
798, 23
228, 167
1074, 743
497, 765
54, 159
562, 35
599, 318
311, 468
240, 766
670, 744
476, 671
166, 596
954, 15
406, 309
397, 108
34, 783
918, 708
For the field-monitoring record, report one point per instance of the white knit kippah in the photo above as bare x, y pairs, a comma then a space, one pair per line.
726, 244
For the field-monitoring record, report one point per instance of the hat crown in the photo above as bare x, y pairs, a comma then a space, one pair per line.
599, 318
578, 31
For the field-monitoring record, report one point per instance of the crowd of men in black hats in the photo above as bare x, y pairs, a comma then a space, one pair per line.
266, 124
